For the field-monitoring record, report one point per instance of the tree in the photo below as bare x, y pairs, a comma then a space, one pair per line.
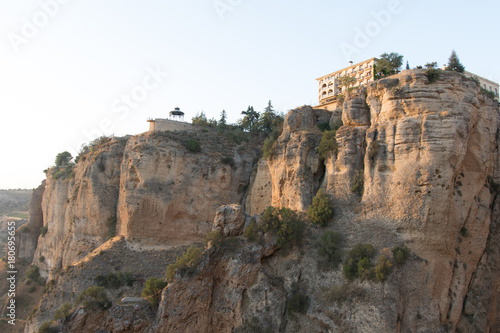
63, 159
347, 81
250, 119
454, 63
269, 121
200, 119
431, 64
407, 65
94, 298
389, 64
223, 119
321, 210
152, 290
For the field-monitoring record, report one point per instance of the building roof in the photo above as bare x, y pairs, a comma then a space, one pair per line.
347, 68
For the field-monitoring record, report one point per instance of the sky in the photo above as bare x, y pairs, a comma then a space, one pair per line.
73, 70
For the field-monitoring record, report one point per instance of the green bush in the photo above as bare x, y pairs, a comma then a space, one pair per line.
32, 288
111, 225
285, 224
33, 274
44, 230
186, 264
115, 280
251, 232
227, 160
328, 144
193, 145
357, 185
328, 248
488, 93
401, 254
432, 74
298, 302
383, 268
94, 298
321, 210
41, 259
357, 263
268, 148
218, 241
152, 290
46, 327
63, 312
324, 126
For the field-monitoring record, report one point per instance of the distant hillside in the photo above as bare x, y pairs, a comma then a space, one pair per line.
13, 202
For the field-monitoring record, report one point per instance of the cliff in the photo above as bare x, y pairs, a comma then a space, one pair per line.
423, 155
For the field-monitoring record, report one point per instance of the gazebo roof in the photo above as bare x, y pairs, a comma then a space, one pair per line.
176, 112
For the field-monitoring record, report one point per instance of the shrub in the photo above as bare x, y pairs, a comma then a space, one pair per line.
193, 145
63, 312
321, 210
46, 327
251, 232
41, 259
336, 124
214, 238
373, 150
298, 301
111, 224
328, 144
152, 290
44, 230
186, 264
94, 298
328, 247
227, 160
33, 274
357, 263
32, 288
114, 280
358, 182
268, 148
383, 268
63, 158
432, 74
285, 224
324, 126
488, 93
464, 232
401, 254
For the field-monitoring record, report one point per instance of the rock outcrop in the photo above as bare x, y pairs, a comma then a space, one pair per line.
423, 156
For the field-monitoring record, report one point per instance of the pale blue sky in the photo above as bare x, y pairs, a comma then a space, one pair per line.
65, 84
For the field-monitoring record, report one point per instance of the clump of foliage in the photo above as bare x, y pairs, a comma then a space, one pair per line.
383, 268
33, 274
63, 168
298, 302
357, 185
193, 145
63, 312
217, 240
41, 259
252, 232
227, 160
328, 144
400, 254
115, 280
285, 224
454, 63
111, 224
324, 126
152, 290
373, 149
388, 64
321, 210
94, 298
358, 262
432, 74
44, 230
185, 264
47, 327
488, 93
91, 147
328, 248
268, 148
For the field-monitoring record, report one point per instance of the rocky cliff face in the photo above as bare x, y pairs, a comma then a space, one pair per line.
425, 156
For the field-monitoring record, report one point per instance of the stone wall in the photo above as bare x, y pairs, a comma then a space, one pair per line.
159, 124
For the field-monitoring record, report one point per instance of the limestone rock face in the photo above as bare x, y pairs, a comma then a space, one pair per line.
230, 220
177, 191
28, 241
79, 213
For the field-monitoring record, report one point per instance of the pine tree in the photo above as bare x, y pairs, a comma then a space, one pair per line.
407, 65
249, 121
454, 63
223, 119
